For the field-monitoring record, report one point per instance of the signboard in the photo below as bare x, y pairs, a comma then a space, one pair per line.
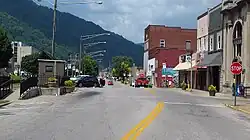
236, 68
164, 72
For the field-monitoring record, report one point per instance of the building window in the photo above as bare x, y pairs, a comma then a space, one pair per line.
146, 45
211, 46
15, 54
156, 63
219, 42
205, 43
49, 69
200, 45
162, 43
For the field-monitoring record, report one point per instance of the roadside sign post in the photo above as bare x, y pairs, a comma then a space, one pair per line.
236, 69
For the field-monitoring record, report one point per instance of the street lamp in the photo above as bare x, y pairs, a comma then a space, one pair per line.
97, 55
86, 37
96, 52
54, 18
189, 50
83, 2
87, 45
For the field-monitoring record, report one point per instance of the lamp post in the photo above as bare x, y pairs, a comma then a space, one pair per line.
86, 37
86, 45
96, 52
54, 18
189, 50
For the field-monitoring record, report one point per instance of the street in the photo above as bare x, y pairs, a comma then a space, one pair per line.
122, 112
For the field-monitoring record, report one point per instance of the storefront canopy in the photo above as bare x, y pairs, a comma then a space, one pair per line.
184, 66
214, 59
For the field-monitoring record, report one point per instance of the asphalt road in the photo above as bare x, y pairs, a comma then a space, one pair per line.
121, 112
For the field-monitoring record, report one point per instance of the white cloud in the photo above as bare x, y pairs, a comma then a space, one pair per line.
130, 17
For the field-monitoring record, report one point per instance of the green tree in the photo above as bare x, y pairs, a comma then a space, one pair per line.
121, 65
30, 62
5, 49
114, 72
90, 66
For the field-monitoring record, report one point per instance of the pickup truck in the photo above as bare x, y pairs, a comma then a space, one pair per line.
141, 82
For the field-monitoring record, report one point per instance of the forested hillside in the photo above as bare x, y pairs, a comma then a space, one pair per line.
69, 30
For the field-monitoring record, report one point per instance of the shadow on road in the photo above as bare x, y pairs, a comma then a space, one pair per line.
89, 94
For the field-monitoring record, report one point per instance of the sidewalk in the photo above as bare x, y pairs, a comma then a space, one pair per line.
201, 93
14, 96
243, 104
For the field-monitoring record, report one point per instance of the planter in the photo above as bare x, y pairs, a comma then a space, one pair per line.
184, 88
52, 84
211, 93
69, 89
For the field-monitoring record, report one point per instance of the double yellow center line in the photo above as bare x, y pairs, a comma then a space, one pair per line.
139, 128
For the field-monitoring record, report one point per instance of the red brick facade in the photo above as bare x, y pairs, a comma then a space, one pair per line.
175, 39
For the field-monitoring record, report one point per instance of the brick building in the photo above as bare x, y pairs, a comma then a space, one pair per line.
164, 45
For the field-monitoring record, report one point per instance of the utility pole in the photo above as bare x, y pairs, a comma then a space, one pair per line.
80, 56
54, 30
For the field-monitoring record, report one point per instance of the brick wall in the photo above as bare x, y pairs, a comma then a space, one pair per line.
174, 37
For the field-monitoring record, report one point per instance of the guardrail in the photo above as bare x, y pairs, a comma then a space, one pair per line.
6, 88
28, 83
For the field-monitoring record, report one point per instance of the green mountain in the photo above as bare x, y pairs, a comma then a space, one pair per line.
23, 32
38, 19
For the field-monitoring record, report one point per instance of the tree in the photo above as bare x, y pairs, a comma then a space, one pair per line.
30, 62
90, 66
121, 65
5, 49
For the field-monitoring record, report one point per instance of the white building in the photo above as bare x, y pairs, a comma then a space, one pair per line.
19, 51
145, 57
151, 70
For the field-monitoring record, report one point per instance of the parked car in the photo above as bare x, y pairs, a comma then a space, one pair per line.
110, 82
75, 79
141, 82
88, 81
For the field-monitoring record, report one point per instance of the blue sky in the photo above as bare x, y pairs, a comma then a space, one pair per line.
130, 17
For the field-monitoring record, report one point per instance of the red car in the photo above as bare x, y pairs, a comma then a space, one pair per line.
141, 82
110, 82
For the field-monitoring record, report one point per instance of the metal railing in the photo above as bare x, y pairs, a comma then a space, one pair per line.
6, 88
27, 84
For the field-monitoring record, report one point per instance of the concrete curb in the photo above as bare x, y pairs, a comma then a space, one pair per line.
4, 104
237, 109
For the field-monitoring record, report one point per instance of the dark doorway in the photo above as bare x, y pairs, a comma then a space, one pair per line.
201, 79
216, 77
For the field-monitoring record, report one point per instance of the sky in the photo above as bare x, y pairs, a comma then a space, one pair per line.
129, 18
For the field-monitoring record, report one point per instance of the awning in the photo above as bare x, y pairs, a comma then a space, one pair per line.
184, 66
214, 59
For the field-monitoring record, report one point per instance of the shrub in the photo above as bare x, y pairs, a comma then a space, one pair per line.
69, 83
15, 78
52, 79
212, 88
183, 85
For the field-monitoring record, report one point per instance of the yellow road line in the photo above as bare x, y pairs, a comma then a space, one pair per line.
152, 91
140, 127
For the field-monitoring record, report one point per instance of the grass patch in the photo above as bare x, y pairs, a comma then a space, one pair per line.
3, 101
15, 78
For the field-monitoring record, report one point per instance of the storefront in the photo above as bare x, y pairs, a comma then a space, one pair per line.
213, 63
